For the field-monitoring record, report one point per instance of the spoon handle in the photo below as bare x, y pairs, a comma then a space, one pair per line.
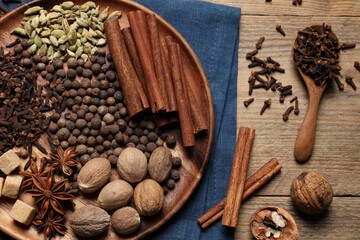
306, 137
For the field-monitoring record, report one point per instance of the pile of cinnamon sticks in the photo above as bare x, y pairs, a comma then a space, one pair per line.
151, 74
239, 188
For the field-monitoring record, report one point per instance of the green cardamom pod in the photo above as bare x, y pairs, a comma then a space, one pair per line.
101, 42
35, 22
75, 8
115, 14
62, 47
33, 34
45, 33
84, 8
65, 25
58, 33
57, 8
94, 51
100, 26
92, 32
71, 54
82, 22
54, 41
56, 55
37, 41
67, 5
94, 11
20, 32
78, 52
32, 10
28, 28
43, 50
32, 48
63, 39
84, 57
72, 36
45, 40
84, 15
99, 34
42, 19
104, 15
90, 4
53, 15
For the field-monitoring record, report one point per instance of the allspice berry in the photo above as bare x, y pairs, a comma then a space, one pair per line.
125, 220
311, 192
132, 165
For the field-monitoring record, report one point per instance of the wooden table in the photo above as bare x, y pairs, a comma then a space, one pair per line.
338, 131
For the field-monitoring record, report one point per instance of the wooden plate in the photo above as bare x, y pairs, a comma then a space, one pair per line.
194, 159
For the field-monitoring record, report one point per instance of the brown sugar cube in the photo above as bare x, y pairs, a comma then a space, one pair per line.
22, 212
9, 161
12, 186
1, 184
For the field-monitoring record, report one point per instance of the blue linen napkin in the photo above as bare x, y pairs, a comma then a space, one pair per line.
212, 30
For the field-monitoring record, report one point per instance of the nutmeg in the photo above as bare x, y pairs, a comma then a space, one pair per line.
148, 197
311, 192
125, 220
160, 164
115, 194
132, 165
94, 174
89, 221
273, 222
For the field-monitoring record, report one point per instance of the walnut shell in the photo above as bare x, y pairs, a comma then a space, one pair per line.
125, 220
94, 174
160, 164
273, 222
115, 194
148, 197
311, 192
89, 221
132, 165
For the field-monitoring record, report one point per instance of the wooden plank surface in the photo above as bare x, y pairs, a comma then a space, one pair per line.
337, 138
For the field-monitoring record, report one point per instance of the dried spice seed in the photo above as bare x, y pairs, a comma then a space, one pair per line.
357, 65
259, 43
266, 105
249, 55
347, 46
285, 116
248, 102
349, 80
296, 111
280, 30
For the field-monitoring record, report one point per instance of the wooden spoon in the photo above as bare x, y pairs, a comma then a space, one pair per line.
306, 137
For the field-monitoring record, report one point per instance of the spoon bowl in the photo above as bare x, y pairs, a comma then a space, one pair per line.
306, 137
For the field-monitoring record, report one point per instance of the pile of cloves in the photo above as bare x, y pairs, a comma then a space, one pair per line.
256, 81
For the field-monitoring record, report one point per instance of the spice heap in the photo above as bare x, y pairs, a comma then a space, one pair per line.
268, 67
67, 30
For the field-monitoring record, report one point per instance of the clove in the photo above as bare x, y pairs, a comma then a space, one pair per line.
293, 99
260, 42
347, 46
248, 102
266, 105
285, 116
280, 30
249, 55
296, 111
349, 80
357, 65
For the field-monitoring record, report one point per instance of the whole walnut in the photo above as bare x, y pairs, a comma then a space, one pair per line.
132, 165
125, 220
89, 221
160, 164
148, 197
311, 192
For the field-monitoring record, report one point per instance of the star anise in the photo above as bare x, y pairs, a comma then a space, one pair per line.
40, 172
50, 224
62, 161
49, 193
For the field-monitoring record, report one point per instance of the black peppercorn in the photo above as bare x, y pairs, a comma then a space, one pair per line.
107, 144
64, 144
50, 68
86, 131
91, 141
104, 84
58, 63
36, 59
108, 119
85, 83
60, 88
76, 132
94, 83
61, 73
110, 101
176, 162
119, 137
95, 92
53, 127
72, 140
134, 139
61, 122
101, 60
117, 85
108, 57
170, 183
122, 124
72, 63
24, 43
165, 190
82, 139
96, 69
113, 160
75, 108
49, 76
55, 117
75, 85
18, 49
41, 66
110, 76
150, 147
102, 110
81, 113
126, 139
113, 110
27, 62
152, 136
71, 73
85, 108
175, 175
43, 73
70, 125
99, 148
86, 100
92, 109
44, 59
101, 76
96, 123
171, 141
101, 52
87, 73
144, 140
103, 94
90, 150
105, 67
89, 116
141, 147
80, 62
99, 140
104, 131
81, 124
93, 58
78, 100
26, 54
114, 129
88, 64
79, 70
63, 134
95, 101
69, 103
123, 112
81, 92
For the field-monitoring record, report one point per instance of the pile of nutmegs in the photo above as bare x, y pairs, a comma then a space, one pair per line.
131, 196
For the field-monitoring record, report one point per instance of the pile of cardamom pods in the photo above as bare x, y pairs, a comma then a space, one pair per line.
67, 30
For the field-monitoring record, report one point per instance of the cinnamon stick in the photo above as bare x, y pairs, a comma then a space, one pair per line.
156, 53
186, 124
238, 176
172, 105
138, 24
253, 183
132, 89
130, 44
